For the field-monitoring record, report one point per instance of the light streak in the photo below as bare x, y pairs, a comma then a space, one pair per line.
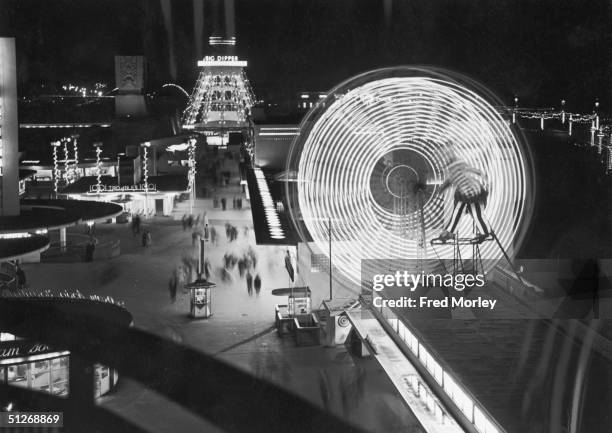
421, 112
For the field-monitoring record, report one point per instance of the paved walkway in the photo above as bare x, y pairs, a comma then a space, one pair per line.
240, 332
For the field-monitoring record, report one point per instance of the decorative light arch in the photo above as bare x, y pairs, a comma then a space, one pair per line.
423, 113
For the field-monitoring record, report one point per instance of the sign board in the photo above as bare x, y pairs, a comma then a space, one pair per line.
21, 348
141, 187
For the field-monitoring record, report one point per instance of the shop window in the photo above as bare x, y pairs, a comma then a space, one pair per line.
40, 376
59, 376
17, 375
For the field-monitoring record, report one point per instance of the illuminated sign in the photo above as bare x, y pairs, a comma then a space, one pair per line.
20, 348
14, 235
123, 188
222, 61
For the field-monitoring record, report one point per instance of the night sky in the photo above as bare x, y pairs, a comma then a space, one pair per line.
541, 50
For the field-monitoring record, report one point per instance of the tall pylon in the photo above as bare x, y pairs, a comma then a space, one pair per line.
222, 98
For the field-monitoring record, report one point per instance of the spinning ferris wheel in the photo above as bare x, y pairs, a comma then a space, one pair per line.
370, 160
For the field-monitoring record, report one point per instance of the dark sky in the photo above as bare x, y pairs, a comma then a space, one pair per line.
542, 50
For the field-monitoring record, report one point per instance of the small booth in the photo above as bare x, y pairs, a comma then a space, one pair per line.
296, 316
200, 299
299, 301
338, 326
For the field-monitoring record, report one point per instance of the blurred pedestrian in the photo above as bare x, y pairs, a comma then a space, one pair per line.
213, 235
249, 282
257, 283
21, 277
89, 250
194, 237
172, 285
242, 266
190, 221
146, 238
184, 222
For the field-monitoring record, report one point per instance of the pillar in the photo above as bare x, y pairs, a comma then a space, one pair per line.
62, 235
9, 129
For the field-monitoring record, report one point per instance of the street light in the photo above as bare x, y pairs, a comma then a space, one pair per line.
119, 155
192, 173
145, 169
98, 147
55, 145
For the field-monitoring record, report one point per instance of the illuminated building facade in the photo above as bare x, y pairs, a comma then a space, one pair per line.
9, 154
222, 97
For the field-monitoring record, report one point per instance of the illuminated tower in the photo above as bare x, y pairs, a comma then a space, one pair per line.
222, 97
9, 153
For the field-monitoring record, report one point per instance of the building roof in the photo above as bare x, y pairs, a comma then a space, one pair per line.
11, 249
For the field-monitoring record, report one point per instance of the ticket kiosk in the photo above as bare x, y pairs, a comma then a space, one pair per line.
200, 305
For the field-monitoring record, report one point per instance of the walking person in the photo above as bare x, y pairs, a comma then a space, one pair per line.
89, 250
172, 285
249, 282
21, 277
213, 235
137, 223
184, 222
257, 283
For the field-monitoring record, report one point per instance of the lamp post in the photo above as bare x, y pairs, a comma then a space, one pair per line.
54, 146
75, 166
201, 256
192, 173
145, 169
66, 167
563, 111
331, 296
119, 155
98, 147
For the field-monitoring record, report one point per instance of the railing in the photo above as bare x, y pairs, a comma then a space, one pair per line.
457, 399
226, 396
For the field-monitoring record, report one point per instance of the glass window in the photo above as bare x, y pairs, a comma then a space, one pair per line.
59, 376
40, 376
17, 375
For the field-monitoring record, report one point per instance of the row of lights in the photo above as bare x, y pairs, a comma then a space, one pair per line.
274, 225
62, 125
22, 235
477, 417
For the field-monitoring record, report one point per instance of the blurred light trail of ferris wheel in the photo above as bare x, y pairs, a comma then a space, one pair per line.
371, 156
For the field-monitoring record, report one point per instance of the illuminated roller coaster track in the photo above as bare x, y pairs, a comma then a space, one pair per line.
393, 126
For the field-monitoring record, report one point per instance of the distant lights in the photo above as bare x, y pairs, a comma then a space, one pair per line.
274, 224
218, 40
15, 235
63, 125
